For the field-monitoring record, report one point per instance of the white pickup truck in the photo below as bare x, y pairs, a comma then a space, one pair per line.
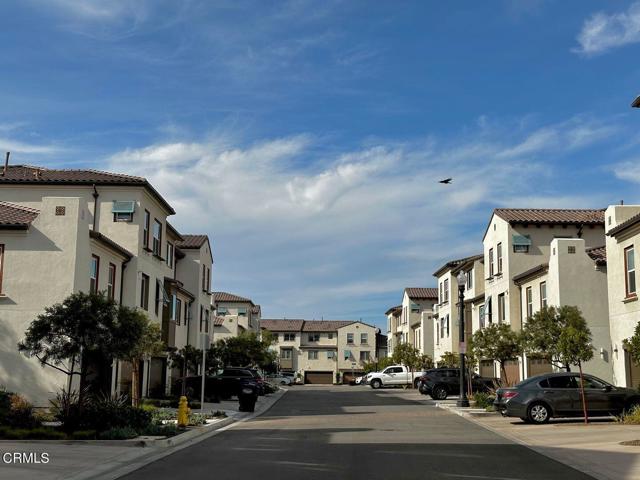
393, 376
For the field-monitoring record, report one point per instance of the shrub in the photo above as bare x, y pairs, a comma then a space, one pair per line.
40, 433
196, 419
70, 408
218, 413
124, 433
482, 399
20, 413
84, 435
632, 417
162, 415
5, 405
157, 430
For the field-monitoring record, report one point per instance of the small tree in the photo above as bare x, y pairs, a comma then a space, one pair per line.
409, 356
541, 333
498, 342
450, 360
66, 332
137, 339
244, 350
377, 365
574, 344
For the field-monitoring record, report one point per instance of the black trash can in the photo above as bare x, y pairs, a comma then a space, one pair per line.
247, 398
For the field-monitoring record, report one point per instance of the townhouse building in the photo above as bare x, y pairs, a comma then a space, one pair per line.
445, 326
235, 315
516, 241
574, 276
623, 236
416, 318
66, 231
394, 335
320, 349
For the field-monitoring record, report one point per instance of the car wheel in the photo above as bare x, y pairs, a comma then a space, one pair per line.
538, 413
439, 393
283, 382
376, 384
416, 383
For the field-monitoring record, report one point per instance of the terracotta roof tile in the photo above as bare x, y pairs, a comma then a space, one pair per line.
551, 215
16, 216
624, 225
281, 325
325, 325
29, 174
452, 264
229, 297
393, 309
218, 321
598, 254
424, 293
192, 241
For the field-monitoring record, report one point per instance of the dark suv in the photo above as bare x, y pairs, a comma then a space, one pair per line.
232, 379
539, 398
439, 383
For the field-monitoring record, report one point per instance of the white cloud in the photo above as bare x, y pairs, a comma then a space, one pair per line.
603, 31
10, 145
301, 228
628, 170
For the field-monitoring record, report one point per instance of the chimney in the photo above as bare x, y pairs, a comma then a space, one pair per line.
6, 164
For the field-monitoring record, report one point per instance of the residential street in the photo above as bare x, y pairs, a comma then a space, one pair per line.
356, 433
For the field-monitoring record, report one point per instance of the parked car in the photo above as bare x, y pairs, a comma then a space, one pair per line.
360, 380
539, 398
219, 387
259, 380
230, 380
279, 379
394, 376
439, 383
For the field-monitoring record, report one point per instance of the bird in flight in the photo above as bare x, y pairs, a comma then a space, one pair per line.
446, 181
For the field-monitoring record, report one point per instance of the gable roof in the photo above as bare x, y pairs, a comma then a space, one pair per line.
393, 309
325, 325
16, 217
29, 174
452, 264
281, 325
624, 225
551, 215
531, 273
422, 293
229, 297
598, 254
218, 321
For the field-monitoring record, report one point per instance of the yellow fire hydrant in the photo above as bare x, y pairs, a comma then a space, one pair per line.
183, 412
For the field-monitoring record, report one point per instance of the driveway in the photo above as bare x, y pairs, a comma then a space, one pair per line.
357, 433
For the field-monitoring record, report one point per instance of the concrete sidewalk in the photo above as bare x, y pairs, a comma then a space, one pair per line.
594, 449
78, 460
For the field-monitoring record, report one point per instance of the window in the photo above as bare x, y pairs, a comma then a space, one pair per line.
490, 262
446, 290
1, 264
178, 310
543, 294
201, 318
122, 211
289, 337
312, 354
206, 320
442, 326
347, 354
208, 279
521, 243
170, 251
204, 278
415, 308
350, 338
469, 275
314, 337
111, 282
186, 312
499, 254
441, 294
330, 335
222, 311
563, 382
242, 312
501, 308
94, 272
285, 354
448, 325
364, 338
144, 292
481, 315
157, 238
364, 356
157, 305
529, 294
630, 269
145, 229
331, 354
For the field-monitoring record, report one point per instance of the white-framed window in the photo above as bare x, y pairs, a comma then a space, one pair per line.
499, 257
469, 275
178, 310
331, 354
286, 353
446, 290
630, 271
330, 335
289, 337
222, 311
94, 272
312, 354
111, 282
146, 228
242, 311
314, 337
501, 308
490, 262
350, 338
529, 297
415, 308
123, 210
543, 294
481, 315
170, 250
364, 356
364, 338
157, 237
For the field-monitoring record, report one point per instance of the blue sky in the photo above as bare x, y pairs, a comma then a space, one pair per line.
306, 138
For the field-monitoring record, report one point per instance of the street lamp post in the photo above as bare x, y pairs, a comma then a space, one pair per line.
463, 401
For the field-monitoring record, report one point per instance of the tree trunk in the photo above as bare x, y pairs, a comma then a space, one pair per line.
504, 374
135, 373
584, 400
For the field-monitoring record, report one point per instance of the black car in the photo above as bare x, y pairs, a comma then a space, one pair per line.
259, 380
539, 398
439, 383
220, 387
230, 381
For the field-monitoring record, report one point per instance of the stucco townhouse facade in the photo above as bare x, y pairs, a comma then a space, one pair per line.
623, 238
411, 322
235, 315
66, 231
320, 349
517, 241
445, 325
394, 335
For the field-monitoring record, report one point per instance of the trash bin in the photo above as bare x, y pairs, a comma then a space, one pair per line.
247, 398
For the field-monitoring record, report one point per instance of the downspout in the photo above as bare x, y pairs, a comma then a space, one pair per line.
95, 195
523, 371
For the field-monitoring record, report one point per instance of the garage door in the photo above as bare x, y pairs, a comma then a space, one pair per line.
486, 369
512, 372
318, 377
538, 366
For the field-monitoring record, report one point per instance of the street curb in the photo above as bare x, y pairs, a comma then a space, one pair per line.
130, 463
535, 448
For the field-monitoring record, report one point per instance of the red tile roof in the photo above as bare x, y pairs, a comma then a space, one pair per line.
325, 325
452, 264
28, 174
281, 325
14, 216
551, 215
422, 293
531, 273
218, 321
192, 241
229, 297
624, 225
395, 309
598, 254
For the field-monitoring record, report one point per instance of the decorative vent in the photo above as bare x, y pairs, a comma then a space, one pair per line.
571, 249
61, 211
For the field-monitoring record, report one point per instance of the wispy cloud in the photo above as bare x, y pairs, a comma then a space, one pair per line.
603, 32
628, 170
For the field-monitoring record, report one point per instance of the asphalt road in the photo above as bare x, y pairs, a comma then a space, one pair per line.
356, 433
